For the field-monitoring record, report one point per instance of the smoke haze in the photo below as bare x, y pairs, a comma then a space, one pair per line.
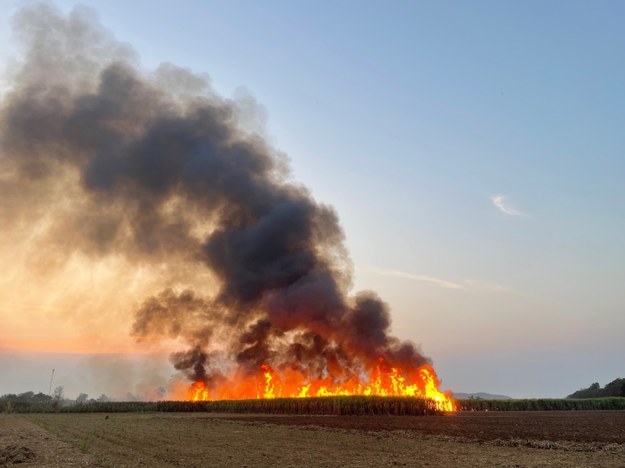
143, 197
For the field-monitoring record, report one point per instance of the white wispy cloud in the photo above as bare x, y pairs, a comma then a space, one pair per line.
502, 204
466, 284
415, 277
488, 286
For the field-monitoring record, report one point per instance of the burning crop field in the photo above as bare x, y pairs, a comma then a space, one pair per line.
384, 381
103, 161
143, 213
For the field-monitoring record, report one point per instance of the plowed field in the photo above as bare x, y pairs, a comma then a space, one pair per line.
599, 427
204, 439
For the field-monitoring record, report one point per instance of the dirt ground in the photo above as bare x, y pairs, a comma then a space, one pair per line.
201, 439
596, 427
22, 442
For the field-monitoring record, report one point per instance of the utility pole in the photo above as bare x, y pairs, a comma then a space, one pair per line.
50, 389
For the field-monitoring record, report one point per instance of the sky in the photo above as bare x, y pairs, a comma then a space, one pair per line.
472, 150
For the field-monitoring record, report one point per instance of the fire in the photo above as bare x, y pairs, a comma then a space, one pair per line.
383, 380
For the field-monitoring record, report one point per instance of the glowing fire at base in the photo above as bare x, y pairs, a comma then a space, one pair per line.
384, 380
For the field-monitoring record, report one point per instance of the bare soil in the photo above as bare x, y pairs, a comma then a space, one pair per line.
203, 439
599, 427
22, 442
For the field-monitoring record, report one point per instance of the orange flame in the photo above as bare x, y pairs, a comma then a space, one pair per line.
384, 380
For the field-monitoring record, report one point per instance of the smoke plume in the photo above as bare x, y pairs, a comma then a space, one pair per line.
156, 169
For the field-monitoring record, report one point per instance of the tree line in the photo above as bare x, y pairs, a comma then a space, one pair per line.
42, 402
616, 388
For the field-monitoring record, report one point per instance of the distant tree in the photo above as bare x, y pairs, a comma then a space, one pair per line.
42, 398
613, 389
58, 394
26, 396
103, 398
82, 398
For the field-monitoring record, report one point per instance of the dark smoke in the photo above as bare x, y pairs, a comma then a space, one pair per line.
158, 169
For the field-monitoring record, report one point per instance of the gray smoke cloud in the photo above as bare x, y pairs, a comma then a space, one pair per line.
156, 168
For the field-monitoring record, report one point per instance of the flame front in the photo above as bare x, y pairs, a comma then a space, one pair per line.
384, 380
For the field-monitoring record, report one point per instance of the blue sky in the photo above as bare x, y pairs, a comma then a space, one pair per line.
474, 152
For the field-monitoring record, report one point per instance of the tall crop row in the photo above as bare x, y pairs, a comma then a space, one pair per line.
543, 404
352, 406
348, 405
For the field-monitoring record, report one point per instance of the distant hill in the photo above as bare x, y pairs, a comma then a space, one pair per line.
616, 388
480, 395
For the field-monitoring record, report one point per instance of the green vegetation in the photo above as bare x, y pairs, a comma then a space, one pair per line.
353, 406
25, 402
84, 445
356, 405
616, 388
542, 404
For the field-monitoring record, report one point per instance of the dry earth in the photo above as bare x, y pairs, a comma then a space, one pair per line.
201, 439
599, 428
22, 441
